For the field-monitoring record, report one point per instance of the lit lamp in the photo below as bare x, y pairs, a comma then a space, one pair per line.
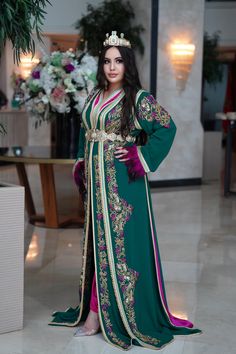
182, 56
26, 64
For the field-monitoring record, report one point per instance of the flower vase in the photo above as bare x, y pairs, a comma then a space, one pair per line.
67, 134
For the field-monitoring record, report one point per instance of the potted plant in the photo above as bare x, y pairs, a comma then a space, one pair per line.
108, 16
212, 67
212, 70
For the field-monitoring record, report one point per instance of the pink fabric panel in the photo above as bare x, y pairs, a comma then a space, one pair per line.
96, 101
94, 299
110, 100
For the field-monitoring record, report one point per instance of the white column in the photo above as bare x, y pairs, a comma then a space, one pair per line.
181, 19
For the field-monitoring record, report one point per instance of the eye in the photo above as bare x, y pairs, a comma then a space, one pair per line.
106, 61
119, 61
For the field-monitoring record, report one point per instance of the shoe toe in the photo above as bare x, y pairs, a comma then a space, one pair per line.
81, 331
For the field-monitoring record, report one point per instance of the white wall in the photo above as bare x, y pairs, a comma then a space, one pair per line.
222, 17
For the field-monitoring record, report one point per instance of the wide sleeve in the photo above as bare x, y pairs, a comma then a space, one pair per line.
159, 127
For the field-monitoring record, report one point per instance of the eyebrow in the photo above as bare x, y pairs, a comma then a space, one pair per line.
115, 58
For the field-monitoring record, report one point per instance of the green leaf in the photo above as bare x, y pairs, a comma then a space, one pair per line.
97, 22
18, 20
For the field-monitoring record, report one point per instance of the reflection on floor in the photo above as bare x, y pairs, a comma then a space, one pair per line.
197, 237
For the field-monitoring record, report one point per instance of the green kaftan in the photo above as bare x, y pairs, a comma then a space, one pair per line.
120, 240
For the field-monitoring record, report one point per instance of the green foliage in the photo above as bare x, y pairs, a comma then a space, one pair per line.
18, 20
212, 68
110, 15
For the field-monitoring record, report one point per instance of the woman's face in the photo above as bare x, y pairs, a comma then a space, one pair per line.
114, 68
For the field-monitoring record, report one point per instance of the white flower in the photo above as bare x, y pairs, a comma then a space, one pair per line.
50, 69
90, 85
69, 54
36, 82
80, 103
70, 88
45, 99
67, 81
23, 86
78, 95
89, 62
77, 76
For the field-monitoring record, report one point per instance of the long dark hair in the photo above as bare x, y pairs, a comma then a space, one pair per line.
131, 84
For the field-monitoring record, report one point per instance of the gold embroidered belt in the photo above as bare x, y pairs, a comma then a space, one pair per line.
101, 135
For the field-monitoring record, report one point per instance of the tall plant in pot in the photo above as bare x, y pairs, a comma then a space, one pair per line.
212, 70
104, 18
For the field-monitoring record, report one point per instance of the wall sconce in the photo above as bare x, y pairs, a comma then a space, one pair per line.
27, 64
182, 55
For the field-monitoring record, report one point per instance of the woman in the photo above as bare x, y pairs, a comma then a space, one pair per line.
122, 288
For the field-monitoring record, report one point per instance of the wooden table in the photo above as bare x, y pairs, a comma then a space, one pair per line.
45, 158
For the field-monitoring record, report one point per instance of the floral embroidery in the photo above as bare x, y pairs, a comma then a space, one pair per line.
150, 110
120, 212
114, 118
113, 121
103, 263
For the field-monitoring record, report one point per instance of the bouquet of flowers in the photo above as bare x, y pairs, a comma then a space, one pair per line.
59, 83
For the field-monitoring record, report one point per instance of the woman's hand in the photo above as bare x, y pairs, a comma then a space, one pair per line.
129, 155
121, 153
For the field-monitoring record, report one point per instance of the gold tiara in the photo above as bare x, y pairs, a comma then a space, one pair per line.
114, 40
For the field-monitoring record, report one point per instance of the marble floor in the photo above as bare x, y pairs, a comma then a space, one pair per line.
197, 238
